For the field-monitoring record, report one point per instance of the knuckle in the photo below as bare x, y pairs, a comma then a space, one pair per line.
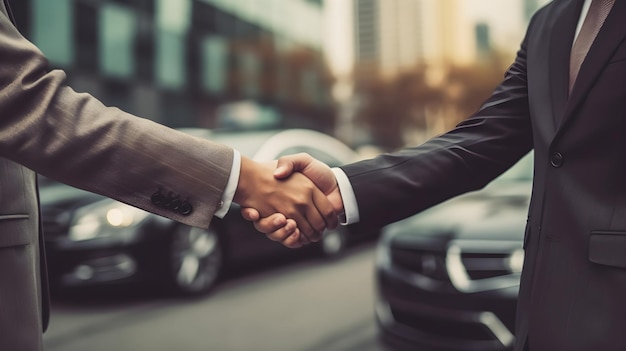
300, 200
276, 236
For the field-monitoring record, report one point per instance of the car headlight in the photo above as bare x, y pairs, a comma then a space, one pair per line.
100, 220
383, 251
515, 261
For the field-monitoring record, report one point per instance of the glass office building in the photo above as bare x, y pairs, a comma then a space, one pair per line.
179, 61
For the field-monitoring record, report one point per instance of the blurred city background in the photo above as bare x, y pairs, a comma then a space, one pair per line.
367, 71
374, 74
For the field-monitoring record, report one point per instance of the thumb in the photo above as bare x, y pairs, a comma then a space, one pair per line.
292, 163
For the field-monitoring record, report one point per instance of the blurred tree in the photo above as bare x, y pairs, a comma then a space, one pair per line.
476, 83
414, 101
391, 106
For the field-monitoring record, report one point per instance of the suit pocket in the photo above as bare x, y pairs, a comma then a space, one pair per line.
16, 229
608, 248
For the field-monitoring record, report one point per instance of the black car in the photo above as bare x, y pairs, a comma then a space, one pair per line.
448, 278
93, 240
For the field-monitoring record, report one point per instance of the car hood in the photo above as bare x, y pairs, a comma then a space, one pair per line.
65, 197
497, 212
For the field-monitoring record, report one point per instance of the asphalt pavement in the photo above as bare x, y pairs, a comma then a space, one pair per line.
303, 305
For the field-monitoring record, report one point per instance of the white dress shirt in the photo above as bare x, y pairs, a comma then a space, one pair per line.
231, 186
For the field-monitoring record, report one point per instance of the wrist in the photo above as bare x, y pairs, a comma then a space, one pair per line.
242, 193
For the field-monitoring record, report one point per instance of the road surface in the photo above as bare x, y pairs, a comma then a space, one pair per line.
306, 305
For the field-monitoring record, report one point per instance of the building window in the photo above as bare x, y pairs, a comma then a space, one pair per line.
52, 29
173, 18
118, 27
174, 15
281, 91
170, 60
250, 68
214, 63
310, 86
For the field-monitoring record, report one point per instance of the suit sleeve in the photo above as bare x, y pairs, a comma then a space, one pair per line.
74, 138
394, 186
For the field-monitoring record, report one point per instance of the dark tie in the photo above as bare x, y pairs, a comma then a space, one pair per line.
598, 11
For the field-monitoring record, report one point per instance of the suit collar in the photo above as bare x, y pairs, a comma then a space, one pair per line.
608, 40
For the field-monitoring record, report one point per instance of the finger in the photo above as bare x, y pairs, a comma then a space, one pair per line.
291, 163
302, 218
326, 210
271, 223
307, 216
294, 240
317, 223
304, 239
321, 215
250, 214
284, 232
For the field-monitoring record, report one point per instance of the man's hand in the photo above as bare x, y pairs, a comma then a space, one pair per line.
281, 228
319, 173
295, 197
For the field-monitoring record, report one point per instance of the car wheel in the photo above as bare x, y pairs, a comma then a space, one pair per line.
196, 260
334, 242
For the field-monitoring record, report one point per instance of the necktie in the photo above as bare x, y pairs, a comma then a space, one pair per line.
598, 11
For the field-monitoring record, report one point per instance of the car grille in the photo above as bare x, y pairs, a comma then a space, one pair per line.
482, 265
469, 265
428, 263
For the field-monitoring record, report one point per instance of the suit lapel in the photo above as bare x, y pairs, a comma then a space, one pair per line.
605, 44
561, 40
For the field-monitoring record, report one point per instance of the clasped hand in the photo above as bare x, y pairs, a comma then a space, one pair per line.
294, 204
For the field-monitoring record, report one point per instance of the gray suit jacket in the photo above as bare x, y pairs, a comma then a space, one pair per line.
573, 288
48, 128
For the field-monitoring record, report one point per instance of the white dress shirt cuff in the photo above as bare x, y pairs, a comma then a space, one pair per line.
350, 206
231, 186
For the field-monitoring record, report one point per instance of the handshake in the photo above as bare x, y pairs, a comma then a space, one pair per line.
292, 200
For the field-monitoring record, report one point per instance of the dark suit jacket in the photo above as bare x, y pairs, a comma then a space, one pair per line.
573, 287
48, 128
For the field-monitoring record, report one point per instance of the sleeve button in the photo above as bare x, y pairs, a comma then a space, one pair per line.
157, 198
175, 205
185, 208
